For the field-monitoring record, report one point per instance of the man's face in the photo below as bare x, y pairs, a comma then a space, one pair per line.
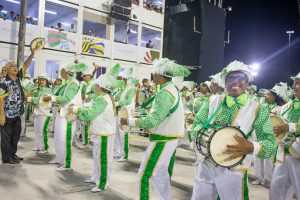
236, 83
296, 88
11, 14
204, 89
42, 82
270, 98
12, 69
251, 91
214, 87
98, 90
63, 74
146, 84
87, 78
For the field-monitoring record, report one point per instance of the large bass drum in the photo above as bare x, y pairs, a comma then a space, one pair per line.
212, 144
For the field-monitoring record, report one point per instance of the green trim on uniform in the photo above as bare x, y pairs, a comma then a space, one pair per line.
171, 164
245, 186
68, 145
86, 134
45, 133
149, 168
103, 163
126, 145
155, 137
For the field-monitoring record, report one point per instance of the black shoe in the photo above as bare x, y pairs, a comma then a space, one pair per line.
13, 162
15, 157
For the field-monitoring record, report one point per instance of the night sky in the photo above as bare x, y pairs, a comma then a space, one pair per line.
258, 34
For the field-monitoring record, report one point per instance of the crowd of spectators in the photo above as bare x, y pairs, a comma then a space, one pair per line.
15, 17
60, 27
151, 5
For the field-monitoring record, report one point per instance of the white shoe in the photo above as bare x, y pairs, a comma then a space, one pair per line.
35, 149
122, 160
96, 189
62, 168
258, 182
42, 151
90, 180
53, 162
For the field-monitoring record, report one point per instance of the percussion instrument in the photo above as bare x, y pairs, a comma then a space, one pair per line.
277, 121
38, 43
212, 143
187, 125
123, 113
70, 115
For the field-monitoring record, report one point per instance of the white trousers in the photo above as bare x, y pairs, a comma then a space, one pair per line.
263, 168
211, 181
41, 137
286, 180
153, 171
103, 159
117, 151
62, 141
23, 124
53, 122
121, 142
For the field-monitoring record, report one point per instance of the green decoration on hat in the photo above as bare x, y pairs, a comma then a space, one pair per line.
169, 68
75, 67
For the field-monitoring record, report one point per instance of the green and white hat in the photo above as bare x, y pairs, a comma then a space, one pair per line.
253, 87
281, 89
108, 81
237, 66
188, 84
169, 68
75, 67
296, 77
263, 91
128, 73
217, 79
44, 76
88, 71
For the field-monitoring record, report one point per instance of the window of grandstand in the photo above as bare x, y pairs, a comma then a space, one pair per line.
151, 38
10, 10
100, 71
52, 68
95, 25
61, 17
126, 32
155, 5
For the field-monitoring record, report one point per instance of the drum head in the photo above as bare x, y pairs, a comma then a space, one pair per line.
276, 121
45, 105
123, 113
37, 43
188, 126
218, 144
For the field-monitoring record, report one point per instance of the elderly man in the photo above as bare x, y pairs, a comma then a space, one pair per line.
233, 108
166, 124
286, 174
13, 108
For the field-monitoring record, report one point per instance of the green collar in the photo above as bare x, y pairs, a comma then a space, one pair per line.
240, 100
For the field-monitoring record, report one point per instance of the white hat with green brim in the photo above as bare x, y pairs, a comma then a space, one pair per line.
281, 90
236, 66
169, 68
296, 77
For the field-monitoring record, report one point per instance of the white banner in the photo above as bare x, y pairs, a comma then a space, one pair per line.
125, 51
9, 31
148, 55
60, 39
96, 46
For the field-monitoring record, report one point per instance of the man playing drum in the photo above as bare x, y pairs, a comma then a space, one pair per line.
285, 180
234, 109
166, 124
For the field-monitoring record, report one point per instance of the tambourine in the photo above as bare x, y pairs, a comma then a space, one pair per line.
123, 113
38, 43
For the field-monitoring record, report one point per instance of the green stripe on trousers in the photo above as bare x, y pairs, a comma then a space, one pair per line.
86, 134
149, 168
171, 164
68, 145
126, 145
45, 133
103, 163
244, 188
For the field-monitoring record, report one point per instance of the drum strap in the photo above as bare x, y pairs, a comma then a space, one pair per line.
286, 110
148, 102
205, 126
175, 106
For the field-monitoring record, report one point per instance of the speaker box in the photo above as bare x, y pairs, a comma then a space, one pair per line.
119, 16
126, 3
121, 9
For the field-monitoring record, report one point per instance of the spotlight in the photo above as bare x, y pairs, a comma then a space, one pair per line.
255, 66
